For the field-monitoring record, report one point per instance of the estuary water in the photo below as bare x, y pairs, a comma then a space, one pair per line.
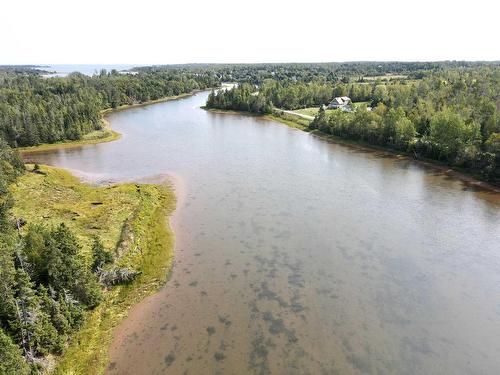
299, 256
60, 70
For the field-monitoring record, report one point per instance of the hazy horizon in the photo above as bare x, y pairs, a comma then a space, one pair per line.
158, 33
242, 63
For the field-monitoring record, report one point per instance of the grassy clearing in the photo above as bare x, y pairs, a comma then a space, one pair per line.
141, 209
290, 120
311, 111
359, 104
385, 77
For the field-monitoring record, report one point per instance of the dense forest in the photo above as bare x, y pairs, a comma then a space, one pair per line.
345, 72
240, 98
35, 110
449, 114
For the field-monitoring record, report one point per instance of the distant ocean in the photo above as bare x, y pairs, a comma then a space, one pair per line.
87, 69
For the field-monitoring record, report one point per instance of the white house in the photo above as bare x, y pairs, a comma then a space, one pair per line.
339, 102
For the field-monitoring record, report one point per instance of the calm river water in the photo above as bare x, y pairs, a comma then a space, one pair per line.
299, 256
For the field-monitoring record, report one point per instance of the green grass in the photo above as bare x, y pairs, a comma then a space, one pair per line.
385, 77
358, 104
290, 120
97, 136
311, 111
56, 197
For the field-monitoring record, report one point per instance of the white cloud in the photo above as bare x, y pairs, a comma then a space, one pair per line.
149, 31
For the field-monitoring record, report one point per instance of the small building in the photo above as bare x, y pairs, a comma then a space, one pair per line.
340, 102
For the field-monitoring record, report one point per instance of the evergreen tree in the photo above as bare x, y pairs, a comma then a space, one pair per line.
11, 359
100, 256
66, 270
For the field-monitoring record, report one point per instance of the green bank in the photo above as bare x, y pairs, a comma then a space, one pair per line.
132, 222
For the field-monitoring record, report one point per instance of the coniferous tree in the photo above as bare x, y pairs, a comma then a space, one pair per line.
11, 359
100, 255
66, 270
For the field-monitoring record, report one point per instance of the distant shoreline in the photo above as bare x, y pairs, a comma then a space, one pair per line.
106, 134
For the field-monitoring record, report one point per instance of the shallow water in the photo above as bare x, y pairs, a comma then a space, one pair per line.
298, 256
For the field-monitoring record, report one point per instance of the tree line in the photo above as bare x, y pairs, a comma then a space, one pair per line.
240, 98
35, 110
261, 99
332, 72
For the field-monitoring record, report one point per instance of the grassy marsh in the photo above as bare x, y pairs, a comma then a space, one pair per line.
132, 217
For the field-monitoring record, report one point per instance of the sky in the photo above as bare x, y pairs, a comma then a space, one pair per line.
234, 31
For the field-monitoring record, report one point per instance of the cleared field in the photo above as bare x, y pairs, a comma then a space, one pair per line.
311, 111
358, 104
386, 77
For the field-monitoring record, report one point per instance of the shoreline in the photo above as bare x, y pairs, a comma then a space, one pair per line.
154, 230
466, 178
150, 207
133, 319
109, 135
108, 111
271, 117
91, 346
463, 176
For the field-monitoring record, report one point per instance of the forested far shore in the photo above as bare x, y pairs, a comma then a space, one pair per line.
328, 72
36, 110
451, 115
